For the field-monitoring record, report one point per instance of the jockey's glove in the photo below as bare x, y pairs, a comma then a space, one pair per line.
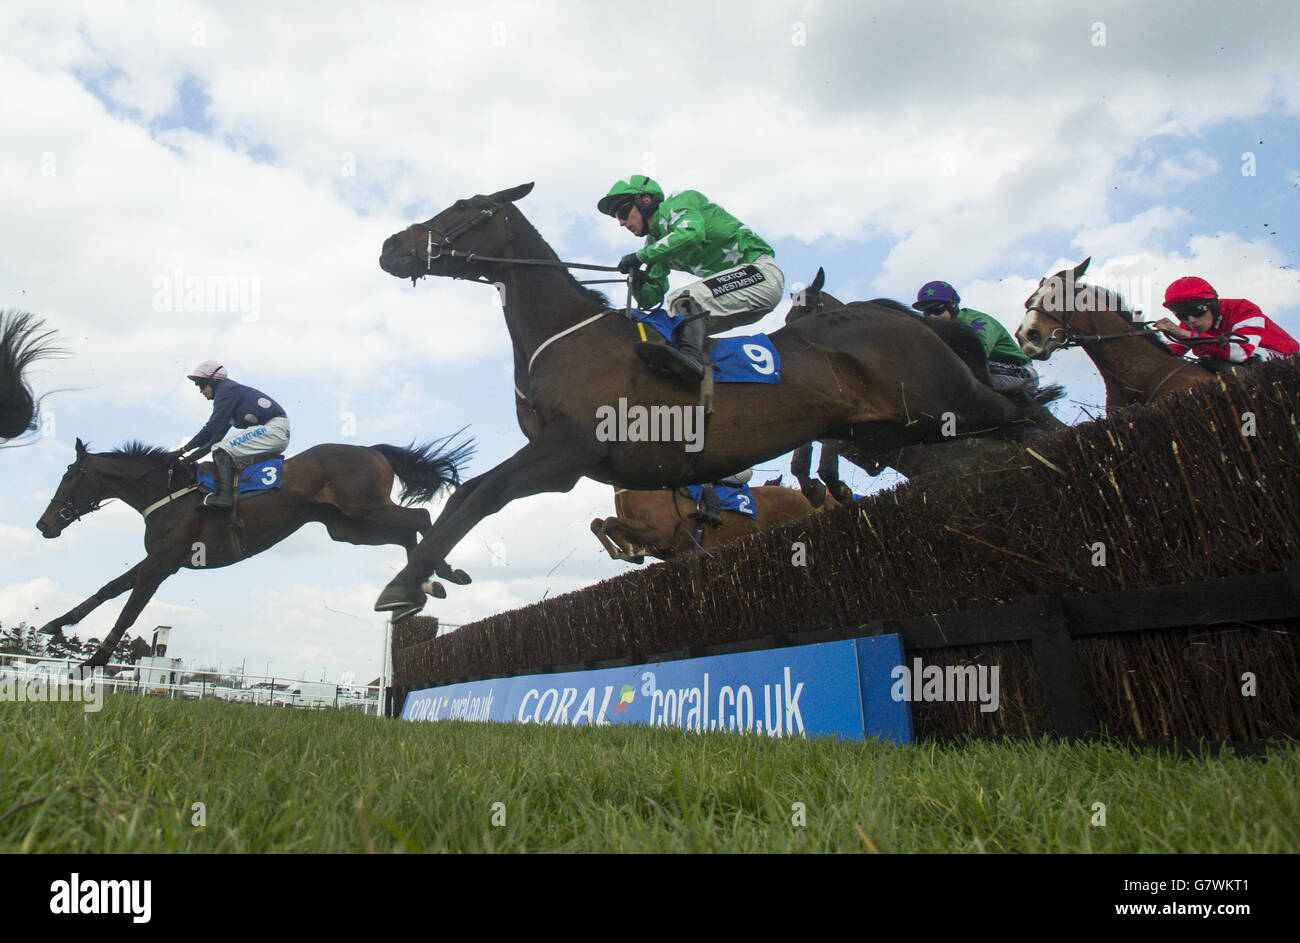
629, 263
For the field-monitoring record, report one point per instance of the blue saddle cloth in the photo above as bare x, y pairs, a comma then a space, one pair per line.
750, 359
740, 500
260, 476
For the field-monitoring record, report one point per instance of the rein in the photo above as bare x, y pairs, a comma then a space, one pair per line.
69, 512
437, 250
465, 225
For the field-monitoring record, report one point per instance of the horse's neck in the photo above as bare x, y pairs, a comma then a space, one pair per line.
1129, 366
539, 301
132, 483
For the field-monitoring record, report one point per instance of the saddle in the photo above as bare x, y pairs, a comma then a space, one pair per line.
205, 478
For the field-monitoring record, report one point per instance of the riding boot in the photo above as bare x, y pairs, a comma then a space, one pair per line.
224, 496
711, 511
685, 363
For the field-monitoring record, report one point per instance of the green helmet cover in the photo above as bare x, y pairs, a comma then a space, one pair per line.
624, 190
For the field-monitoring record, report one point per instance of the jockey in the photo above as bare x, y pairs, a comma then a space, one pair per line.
1009, 367
262, 428
740, 279
1202, 313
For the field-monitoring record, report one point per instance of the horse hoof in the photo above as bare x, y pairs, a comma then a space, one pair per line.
456, 577
434, 588
401, 601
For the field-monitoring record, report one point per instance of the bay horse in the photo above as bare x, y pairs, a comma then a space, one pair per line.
23, 339
345, 487
868, 374
1135, 366
655, 523
955, 456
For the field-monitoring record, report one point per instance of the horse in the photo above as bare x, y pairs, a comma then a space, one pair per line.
345, 487
23, 339
868, 374
955, 456
655, 523
1135, 366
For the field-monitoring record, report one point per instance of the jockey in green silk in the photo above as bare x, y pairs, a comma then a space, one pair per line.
739, 278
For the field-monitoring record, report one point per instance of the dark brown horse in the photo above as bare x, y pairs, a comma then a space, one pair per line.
344, 487
1135, 366
867, 373
656, 523
23, 339
955, 456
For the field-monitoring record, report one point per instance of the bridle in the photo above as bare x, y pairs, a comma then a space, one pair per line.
1068, 338
69, 512
444, 246
441, 249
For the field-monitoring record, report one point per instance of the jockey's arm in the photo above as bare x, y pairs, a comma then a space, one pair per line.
218, 424
649, 293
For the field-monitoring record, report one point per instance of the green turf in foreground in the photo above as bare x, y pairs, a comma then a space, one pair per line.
279, 780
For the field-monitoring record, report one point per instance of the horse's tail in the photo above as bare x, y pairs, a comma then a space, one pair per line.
1048, 394
22, 340
424, 470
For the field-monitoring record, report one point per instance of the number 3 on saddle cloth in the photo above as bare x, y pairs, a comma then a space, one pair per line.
253, 479
750, 359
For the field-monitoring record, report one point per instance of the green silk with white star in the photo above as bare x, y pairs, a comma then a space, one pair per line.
690, 234
998, 344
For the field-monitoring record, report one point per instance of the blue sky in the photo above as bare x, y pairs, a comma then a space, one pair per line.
890, 144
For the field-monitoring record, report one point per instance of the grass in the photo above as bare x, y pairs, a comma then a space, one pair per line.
278, 780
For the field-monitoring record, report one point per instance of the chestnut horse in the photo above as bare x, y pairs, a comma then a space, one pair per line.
867, 373
656, 523
1135, 366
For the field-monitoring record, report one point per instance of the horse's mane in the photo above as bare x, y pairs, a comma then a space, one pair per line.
597, 298
1115, 304
139, 451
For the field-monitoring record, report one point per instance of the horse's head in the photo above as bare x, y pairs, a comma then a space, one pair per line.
812, 299
79, 493
1050, 313
447, 243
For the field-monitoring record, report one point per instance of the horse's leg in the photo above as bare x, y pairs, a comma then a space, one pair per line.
543, 465
149, 576
106, 592
828, 470
391, 525
801, 468
611, 538
633, 540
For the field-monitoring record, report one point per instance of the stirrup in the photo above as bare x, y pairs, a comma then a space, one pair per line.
665, 359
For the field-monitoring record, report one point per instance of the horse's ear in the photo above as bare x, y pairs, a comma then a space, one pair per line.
514, 193
81, 448
1081, 267
819, 281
